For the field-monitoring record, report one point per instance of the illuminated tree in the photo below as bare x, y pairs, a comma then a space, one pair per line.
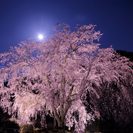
55, 77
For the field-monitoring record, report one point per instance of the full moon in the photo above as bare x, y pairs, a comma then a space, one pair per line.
40, 36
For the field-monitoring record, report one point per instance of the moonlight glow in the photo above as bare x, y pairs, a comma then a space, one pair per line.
40, 36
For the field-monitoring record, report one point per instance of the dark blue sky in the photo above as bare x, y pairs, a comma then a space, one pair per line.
24, 19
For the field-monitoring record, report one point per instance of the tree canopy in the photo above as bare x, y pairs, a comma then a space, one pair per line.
65, 77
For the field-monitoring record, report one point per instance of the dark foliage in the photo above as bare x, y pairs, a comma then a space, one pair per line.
7, 126
126, 54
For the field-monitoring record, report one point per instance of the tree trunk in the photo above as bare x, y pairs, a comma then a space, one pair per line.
27, 129
61, 126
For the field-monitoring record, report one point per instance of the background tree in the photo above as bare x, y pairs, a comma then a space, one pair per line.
64, 77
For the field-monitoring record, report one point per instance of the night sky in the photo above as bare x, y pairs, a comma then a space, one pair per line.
24, 19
